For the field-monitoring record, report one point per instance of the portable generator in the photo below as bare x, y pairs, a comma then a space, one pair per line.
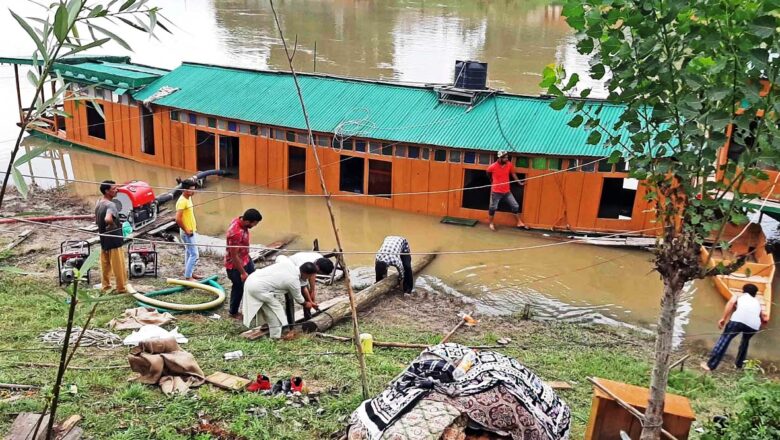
135, 201
73, 254
142, 260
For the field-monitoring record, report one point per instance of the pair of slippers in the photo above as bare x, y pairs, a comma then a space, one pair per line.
263, 384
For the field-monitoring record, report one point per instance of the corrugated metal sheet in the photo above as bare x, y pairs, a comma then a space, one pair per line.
114, 75
385, 111
69, 60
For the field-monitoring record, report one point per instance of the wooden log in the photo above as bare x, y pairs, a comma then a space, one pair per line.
363, 299
23, 236
400, 344
16, 386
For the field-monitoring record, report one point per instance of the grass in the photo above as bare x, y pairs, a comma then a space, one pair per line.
114, 408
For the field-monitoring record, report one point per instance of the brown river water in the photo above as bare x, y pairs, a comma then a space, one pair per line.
412, 41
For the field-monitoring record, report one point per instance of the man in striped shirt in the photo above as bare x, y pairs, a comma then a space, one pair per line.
395, 252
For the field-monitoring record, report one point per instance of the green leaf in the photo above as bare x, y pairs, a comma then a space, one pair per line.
597, 71
111, 35
90, 261
61, 23
559, 102
19, 182
764, 26
33, 35
615, 156
594, 137
126, 5
548, 76
585, 46
573, 80
576, 121
585, 93
95, 43
30, 155
32, 78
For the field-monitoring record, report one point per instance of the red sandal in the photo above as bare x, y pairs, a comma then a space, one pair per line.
296, 384
261, 384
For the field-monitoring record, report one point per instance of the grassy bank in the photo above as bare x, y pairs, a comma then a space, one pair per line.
117, 409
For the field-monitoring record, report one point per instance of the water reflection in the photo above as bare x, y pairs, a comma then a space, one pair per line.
575, 283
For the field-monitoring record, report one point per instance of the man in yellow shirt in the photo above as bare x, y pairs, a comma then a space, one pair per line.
185, 218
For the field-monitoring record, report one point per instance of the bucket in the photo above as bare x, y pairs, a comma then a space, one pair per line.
367, 343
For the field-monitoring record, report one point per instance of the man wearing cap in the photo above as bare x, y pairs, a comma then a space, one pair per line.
499, 172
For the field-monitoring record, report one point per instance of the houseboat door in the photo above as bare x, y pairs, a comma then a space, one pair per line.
228, 154
296, 168
205, 147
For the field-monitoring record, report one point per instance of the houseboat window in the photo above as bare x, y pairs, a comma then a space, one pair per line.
620, 166
439, 155
345, 144
539, 163
124, 100
455, 156
254, 131
174, 115
469, 157
484, 158
232, 126
400, 150
617, 198
414, 152
290, 136
212, 122
374, 147
424, 153
192, 118
521, 162
554, 164
360, 146
301, 138
147, 130
279, 134
222, 124
323, 141
605, 166
243, 128
588, 165
264, 131
380, 178
96, 125
387, 149
352, 170
573, 164
477, 191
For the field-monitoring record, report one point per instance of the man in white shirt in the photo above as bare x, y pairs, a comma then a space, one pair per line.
308, 286
742, 314
265, 290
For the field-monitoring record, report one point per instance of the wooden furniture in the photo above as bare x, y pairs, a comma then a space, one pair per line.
607, 418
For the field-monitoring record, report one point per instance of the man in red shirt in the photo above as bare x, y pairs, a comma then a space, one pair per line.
237, 261
499, 172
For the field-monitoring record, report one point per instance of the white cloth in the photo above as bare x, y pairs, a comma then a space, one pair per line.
748, 311
263, 286
305, 257
150, 332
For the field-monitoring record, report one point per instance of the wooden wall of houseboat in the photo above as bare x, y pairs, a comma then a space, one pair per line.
562, 200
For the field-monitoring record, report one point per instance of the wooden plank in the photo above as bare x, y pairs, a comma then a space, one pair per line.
23, 236
24, 426
271, 248
227, 381
162, 228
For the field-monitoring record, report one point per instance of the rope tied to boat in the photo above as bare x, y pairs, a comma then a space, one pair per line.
99, 338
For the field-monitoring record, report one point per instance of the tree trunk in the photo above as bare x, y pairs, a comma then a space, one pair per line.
663, 350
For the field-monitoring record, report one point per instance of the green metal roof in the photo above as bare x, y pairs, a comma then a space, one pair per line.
113, 72
379, 110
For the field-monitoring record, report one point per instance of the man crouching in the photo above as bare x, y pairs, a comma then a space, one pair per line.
265, 290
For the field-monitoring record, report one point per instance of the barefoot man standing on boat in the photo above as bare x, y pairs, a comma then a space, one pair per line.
499, 172
742, 314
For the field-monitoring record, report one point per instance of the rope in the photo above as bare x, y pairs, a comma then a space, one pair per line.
102, 339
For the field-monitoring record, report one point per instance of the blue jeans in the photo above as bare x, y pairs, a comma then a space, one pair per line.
730, 332
190, 253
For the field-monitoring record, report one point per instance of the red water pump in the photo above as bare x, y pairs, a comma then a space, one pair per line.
73, 254
141, 260
136, 203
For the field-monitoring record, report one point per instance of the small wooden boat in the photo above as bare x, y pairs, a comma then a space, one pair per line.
759, 268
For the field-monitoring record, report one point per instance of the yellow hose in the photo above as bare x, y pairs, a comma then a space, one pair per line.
185, 307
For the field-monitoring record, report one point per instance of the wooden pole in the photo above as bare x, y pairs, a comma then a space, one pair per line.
452, 332
399, 344
353, 309
18, 94
634, 412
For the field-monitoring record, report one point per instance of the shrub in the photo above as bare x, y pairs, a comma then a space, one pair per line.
757, 415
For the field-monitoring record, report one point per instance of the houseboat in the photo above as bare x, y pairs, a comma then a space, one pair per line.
401, 146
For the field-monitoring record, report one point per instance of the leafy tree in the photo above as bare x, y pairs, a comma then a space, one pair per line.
63, 29
66, 28
688, 72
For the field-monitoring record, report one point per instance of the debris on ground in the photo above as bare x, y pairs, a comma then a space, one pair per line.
162, 362
96, 337
133, 319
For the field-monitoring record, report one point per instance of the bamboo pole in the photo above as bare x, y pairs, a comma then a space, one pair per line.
634, 412
399, 344
353, 309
